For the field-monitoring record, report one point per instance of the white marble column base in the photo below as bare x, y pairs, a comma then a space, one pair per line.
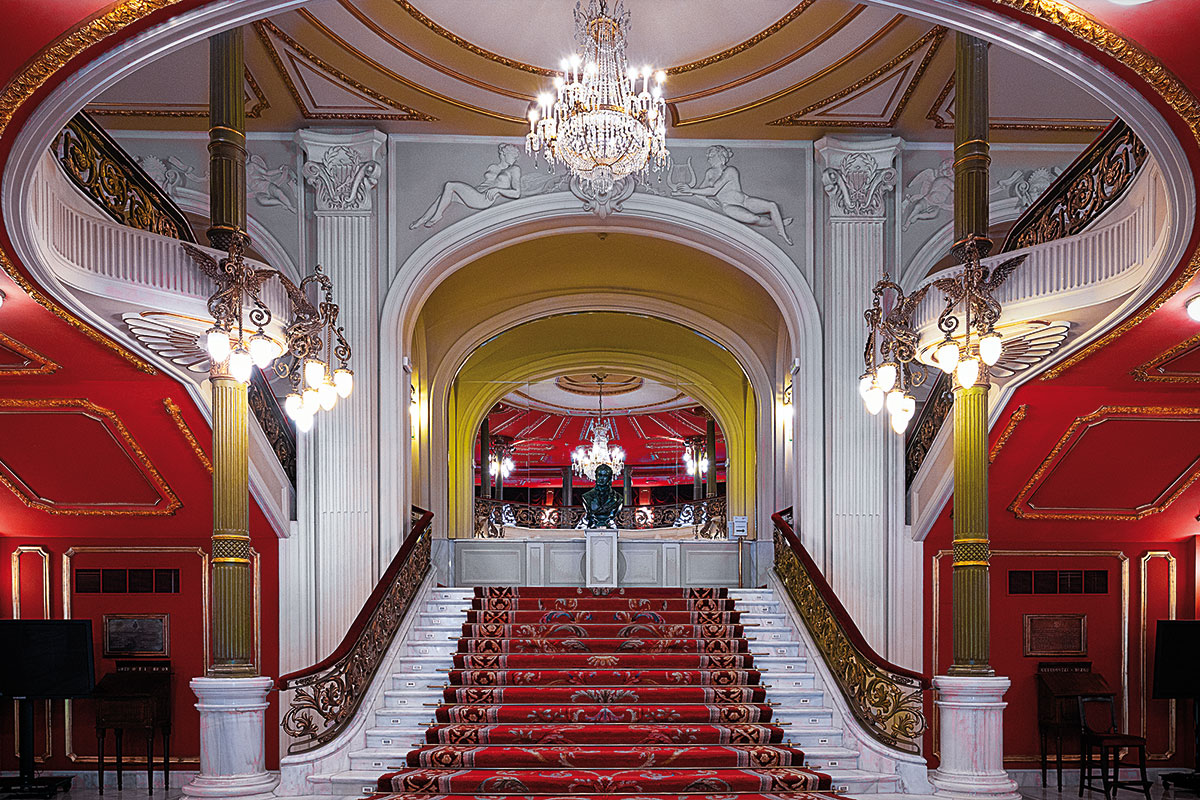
971, 739
232, 739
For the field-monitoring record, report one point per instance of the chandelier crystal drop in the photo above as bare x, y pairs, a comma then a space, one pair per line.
604, 120
587, 458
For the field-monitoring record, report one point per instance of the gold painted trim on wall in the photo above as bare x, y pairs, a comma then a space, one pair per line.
1145, 372
127, 110
40, 365
1020, 504
941, 123
1147, 557
47, 613
177, 416
1121, 558
1013, 421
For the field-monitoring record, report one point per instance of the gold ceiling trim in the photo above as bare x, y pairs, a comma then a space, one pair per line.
266, 28
1020, 505
1000, 124
121, 435
821, 73
935, 35
1021, 412
1151, 371
36, 363
129, 110
366, 59
813, 44
707, 61
1168, 87
176, 415
386, 35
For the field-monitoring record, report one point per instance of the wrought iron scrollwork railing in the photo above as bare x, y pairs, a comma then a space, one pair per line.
103, 171
884, 698
328, 694
934, 411
277, 427
706, 518
1086, 189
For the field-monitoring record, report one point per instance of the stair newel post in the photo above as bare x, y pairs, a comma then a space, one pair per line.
232, 697
970, 698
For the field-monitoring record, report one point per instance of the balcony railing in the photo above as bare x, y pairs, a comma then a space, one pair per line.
706, 518
886, 699
328, 693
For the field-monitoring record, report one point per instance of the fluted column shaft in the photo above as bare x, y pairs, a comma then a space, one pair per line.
972, 158
710, 444
226, 137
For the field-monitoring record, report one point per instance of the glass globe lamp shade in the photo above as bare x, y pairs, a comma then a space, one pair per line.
343, 381
865, 382
327, 396
908, 406
967, 372
900, 423
314, 372
218, 345
894, 398
240, 365
885, 377
990, 348
304, 422
292, 405
1193, 308
264, 350
874, 400
946, 356
310, 402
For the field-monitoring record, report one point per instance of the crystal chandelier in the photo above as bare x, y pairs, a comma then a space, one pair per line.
585, 460
599, 122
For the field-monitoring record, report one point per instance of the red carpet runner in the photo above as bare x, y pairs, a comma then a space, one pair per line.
577, 692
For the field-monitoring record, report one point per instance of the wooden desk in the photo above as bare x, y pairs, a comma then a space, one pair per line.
1060, 684
137, 697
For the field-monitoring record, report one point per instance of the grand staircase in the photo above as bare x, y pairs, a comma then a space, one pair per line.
755, 717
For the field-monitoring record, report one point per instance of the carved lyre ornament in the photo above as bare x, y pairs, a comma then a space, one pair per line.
858, 186
343, 179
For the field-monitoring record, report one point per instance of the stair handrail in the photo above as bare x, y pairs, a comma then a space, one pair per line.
329, 692
884, 697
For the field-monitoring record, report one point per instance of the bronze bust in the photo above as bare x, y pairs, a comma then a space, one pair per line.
602, 503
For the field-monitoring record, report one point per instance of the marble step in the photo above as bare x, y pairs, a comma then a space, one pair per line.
790, 698
858, 781
783, 682
397, 738
452, 631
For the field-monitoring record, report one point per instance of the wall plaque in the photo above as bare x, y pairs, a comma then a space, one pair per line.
128, 635
1055, 634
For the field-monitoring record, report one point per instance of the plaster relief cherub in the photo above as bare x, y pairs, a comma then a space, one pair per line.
929, 194
721, 188
502, 179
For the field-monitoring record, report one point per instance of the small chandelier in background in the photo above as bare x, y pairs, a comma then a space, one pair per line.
585, 460
693, 456
892, 369
313, 329
604, 120
979, 345
500, 463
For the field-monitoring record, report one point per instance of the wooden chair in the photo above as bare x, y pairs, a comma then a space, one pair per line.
1098, 731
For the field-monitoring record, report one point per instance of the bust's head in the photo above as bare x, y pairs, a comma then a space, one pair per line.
604, 475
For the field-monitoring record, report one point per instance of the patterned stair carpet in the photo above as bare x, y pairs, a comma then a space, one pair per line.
576, 692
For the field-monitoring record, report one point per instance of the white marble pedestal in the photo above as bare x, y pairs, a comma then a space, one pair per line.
232, 739
971, 739
600, 560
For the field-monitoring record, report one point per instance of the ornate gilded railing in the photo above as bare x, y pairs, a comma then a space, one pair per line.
934, 411
328, 694
120, 188
705, 517
274, 423
1086, 189
884, 698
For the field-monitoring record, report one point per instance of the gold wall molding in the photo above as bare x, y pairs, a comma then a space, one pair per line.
36, 363
1122, 561
1143, 570
47, 613
1020, 504
266, 29
1013, 421
121, 434
935, 35
177, 416
1001, 124
1151, 371
260, 105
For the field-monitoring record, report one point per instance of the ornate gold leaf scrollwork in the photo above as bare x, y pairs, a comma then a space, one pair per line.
887, 704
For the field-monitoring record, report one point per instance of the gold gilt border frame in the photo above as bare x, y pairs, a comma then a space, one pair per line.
261, 104
1151, 370
47, 613
1020, 504
1014, 420
205, 603
37, 364
1122, 561
935, 116
1143, 570
121, 437
176, 415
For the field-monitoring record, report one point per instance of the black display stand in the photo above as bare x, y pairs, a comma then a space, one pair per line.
25, 784
1177, 677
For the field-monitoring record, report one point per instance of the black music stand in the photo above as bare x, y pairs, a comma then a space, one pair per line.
53, 660
1177, 677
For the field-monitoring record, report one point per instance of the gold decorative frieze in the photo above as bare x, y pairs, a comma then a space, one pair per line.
1013, 421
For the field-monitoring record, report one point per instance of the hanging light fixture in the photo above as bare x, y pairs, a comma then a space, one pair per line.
586, 459
892, 368
694, 459
604, 120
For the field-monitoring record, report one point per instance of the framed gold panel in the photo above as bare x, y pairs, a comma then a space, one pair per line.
15, 575
1143, 570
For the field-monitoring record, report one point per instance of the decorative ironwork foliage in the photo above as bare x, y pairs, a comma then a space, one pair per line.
328, 695
274, 424
706, 517
119, 187
886, 702
929, 422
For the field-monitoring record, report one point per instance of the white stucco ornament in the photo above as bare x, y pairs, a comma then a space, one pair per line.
343, 179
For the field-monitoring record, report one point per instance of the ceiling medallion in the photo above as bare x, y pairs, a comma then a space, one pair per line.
589, 386
598, 123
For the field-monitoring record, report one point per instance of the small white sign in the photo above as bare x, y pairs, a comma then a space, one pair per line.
739, 528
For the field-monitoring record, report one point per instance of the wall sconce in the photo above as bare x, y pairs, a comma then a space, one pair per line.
414, 411
1192, 305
